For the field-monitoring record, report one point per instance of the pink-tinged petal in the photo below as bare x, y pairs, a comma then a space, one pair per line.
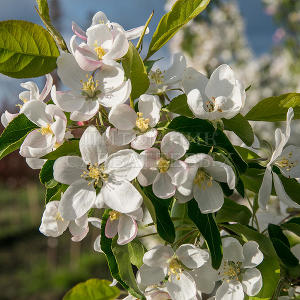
163, 187
111, 228
79, 238
79, 228
47, 88
127, 229
86, 112
86, 58
145, 140
147, 176
7, 117
79, 31
123, 117
137, 214
150, 157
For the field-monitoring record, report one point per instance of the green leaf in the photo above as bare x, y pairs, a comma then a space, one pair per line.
135, 71
205, 132
252, 179
292, 225
43, 11
246, 154
179, 106
149, 64
241, 127
249, 234
208, 228
136, 252
233, 212
106, 247
55, 192
164, 224
68, 148
181, 13
14, 134
26, 50
282, 246
46, 173
274, 109
93, 289
292, 187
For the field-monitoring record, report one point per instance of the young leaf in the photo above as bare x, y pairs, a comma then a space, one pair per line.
282, 246
274, 109
43, 11
208, 228
136, 252
14, 134
67, 148
181, 13
179, 106
106, 247
241, 127
26, 50
292, 225
205, 131
93, 289
246, 154
46, 173
164, 224
233, 212
135, 71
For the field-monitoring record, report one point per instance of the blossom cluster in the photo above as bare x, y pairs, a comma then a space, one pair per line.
125, 149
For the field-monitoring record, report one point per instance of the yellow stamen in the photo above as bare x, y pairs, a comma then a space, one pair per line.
163, 165
141, 123
231, 270
94, 174
59, 217
157, 76
175, 267
114, 215
100, 51
46, 130
90, 87
202, 179
287, 164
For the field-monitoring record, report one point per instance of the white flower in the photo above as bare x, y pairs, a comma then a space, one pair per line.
238, 270
160, 80
135, 128
52, 122
106, 87
163, 169
95, 170
221, 96
202, 182
162, 261
124, 225
153, 294
287, 160
32, 93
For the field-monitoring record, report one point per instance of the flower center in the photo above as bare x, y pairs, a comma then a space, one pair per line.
163, 165
99, 50
231, 270
175, 267
58, 217
46, 130
141, 123
210, 105
202, 179
157, 76
287, 163
90, 87
94, 174
114, 215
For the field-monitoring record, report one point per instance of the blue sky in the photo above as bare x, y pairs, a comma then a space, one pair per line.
129, 13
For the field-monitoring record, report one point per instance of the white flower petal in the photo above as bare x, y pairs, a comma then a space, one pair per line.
35, 111
77, 200
127, 229
92, 146
78, 31
119, 46
265, 189
178, 172
130, 201
135, 33
174, 145
232, 250
194, 80
47, 88
86, 111
186, 188
291, 154
7, 117
158, 256
192, 256
97, 246
123, 117
111, 228
99, 18
147, 176
175, 73
253, 256
119, 137
162, 186
99, 36
35, 163
145, 140
230, 291
252, 282
150, 106
209, 198
195, 102
68, 169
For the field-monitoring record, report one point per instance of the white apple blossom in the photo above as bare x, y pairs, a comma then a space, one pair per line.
202, 183
135, 128
52, 122
163, 169
238, 270
124, 225
96, 170
32, 93
160, 80
221, 96
89, 90
162, 261
287, 160
153, 294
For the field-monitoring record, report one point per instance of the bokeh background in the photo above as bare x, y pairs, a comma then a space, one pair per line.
258, 38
